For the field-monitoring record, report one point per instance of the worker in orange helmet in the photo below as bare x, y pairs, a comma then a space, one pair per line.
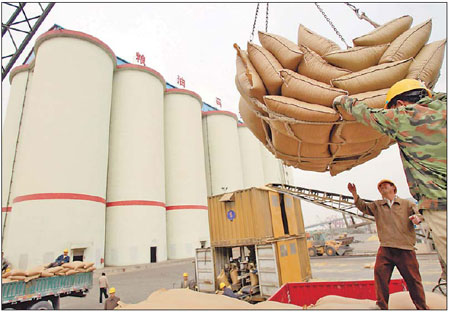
395, 219
416, 119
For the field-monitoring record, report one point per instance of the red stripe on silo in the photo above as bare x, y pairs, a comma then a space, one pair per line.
185, 207
136, 202
6, 209
55, 196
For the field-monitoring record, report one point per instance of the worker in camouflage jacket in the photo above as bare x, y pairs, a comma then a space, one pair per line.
417, 120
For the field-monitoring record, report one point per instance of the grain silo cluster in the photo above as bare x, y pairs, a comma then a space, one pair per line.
113, 163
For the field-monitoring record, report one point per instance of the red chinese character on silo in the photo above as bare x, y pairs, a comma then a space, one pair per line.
218, 102
180, 81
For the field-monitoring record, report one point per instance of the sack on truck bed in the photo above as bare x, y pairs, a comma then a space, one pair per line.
408, 44
385, 33
286, 52
313, 66
427, 63
267, 67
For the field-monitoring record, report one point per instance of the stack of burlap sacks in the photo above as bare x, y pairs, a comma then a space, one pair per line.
188, 299
287, 90
41, 271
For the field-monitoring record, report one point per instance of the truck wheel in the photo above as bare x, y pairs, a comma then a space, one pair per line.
330, 251
312, 252
41, 305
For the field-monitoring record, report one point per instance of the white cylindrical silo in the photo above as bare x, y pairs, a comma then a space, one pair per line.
20, 80
186, 199
60, 174
135, 212
222, 155
251, 159
273, 168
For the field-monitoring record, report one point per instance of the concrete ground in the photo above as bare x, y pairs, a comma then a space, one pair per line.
136, 283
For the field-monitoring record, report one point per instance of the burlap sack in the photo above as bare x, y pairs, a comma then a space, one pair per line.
302, 111
88, 264
357, 58
29, 278
293, 149
427, 63
286, 52
305, 89
408, 44
402, 301
313, 66
267, 67
32, 272
55, 269
373, 99
354, 133
46, 273
251, 120
6, 275
90, 269
350, 149
374, 78
17, 272
7, 280
71, 272
385, 33
248, 81
17, 277
63, 270
315, 42
222, 278
73, 265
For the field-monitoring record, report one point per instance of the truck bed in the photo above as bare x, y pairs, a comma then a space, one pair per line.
46, 286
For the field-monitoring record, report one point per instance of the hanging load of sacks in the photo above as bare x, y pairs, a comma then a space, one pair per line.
287, 90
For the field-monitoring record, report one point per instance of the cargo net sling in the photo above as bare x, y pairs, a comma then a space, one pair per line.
287, 90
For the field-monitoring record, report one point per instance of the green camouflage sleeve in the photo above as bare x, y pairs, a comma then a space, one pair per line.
384, 121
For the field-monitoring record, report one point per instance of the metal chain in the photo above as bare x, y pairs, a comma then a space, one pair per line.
254, 23
267, 16
362, 15
332, 25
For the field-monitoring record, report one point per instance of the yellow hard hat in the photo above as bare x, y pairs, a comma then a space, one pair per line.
112, 290
222, 285
387, 181
185, 275
8, 270
66, 251
403, 86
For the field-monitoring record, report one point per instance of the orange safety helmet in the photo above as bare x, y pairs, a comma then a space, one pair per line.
402, 86
387, 181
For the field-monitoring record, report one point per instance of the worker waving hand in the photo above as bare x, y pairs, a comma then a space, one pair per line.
417, 120
394, 218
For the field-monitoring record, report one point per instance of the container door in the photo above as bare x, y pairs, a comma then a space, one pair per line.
204, 270
277, 219
289, 261
266, 264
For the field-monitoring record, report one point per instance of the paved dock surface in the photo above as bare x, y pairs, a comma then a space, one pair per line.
136, 283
